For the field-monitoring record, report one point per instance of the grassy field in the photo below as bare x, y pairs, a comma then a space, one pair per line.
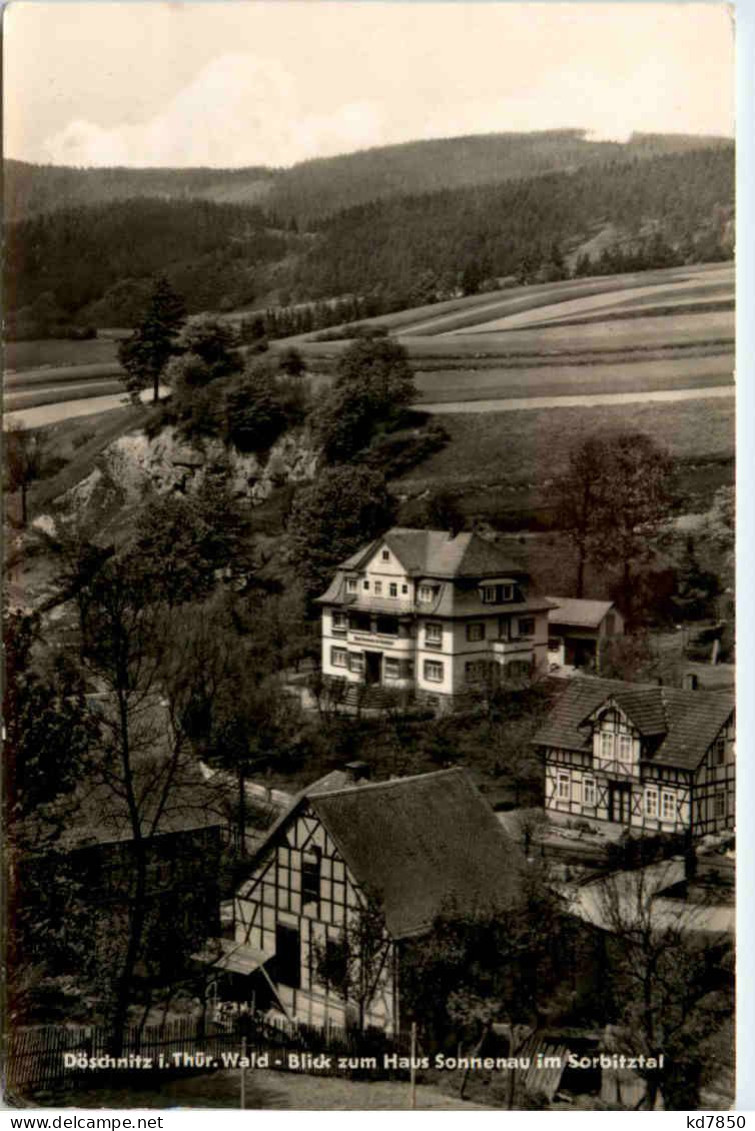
528, 449
57, 394
468, 384
58, 352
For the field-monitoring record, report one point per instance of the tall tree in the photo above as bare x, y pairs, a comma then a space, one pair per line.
24, 460
577, 499
633, 505
672, 984
352, 965
331, 518
145, 354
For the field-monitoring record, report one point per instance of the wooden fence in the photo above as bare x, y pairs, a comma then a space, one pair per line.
52, 1058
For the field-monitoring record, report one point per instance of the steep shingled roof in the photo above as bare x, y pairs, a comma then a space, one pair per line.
684, 722
422, 844
438, 553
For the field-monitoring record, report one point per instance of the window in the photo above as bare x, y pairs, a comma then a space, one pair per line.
356, 661
474, 670
310, 876
719, 804
719, 753
564, 785
339, 657
588, 791
476, 631
378, 588
340, 622
668, 805
526, 626
553, 643
393, 589
406, 669
404, 589
606, 745
387, 626
425, 593
493, 594
391, 668
434, 671
386, 556
433, 635
351, 585
575, 790
651, 801
625, 748
365, 584
287, 956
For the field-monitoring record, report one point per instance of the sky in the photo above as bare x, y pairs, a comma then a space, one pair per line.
273, 82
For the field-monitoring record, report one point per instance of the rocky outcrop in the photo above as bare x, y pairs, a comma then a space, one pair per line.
135, 464
167, 463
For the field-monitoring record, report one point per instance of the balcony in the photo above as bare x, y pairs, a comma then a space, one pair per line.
520, 648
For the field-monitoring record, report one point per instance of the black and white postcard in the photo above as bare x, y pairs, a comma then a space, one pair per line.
369, 575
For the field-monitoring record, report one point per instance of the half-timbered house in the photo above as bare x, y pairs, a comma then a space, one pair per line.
650, 758
414, 846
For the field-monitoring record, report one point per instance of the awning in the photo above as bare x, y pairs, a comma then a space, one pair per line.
227, 954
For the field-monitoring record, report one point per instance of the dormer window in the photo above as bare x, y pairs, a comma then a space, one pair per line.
425, 593
625, 748
497, 594
351, 585
606, 746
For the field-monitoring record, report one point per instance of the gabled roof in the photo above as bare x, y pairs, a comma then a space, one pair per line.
438, 553
578, 611
682, 723
422, 844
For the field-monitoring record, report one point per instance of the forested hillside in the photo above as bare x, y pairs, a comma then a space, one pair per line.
313, 189
90, 264
410, 243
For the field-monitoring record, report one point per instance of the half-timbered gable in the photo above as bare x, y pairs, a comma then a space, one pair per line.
417, 845
650, 758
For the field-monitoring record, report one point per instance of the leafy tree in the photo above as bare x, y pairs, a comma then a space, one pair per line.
331, 518
183, 541
24, 460
291, 362
215, 343
373, 384
145, 354
254, 414
352, 965
49, 740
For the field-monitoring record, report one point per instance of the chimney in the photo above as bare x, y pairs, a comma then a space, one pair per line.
358, 772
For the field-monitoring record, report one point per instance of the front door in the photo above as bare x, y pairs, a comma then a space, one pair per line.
620, 802
372, 662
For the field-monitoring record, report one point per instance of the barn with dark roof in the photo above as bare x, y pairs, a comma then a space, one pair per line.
415, 847
650, 758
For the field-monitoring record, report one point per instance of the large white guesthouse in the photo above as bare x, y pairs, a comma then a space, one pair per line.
429, 611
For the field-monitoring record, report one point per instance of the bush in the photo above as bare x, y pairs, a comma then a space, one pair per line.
253, 414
